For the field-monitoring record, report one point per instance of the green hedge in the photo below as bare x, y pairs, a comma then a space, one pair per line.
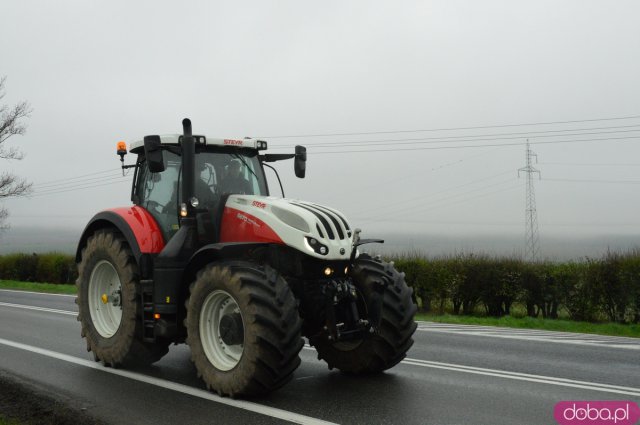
591, 290
607, 288
51, 268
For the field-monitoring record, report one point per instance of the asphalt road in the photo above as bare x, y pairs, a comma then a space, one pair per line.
453, 375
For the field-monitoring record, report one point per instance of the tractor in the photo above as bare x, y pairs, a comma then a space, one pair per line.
207, 257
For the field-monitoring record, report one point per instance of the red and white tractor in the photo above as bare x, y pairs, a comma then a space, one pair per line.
206, 256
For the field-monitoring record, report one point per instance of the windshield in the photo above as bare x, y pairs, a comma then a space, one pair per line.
224, 171
219, 171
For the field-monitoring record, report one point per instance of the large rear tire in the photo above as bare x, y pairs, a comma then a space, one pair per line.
389, 345
108, 303
243, 329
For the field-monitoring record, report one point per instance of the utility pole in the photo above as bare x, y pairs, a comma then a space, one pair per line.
532, 241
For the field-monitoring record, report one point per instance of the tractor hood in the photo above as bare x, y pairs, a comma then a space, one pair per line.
313, 229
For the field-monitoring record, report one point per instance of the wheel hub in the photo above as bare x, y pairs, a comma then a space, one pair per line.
115, 298
104, 294
222, 330
231, 329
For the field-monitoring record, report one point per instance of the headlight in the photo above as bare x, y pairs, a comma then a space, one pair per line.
315, 246
291, 219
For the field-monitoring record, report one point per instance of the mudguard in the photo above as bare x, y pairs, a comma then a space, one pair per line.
137, 225
220, 251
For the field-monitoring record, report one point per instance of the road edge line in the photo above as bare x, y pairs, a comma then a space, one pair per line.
174, 386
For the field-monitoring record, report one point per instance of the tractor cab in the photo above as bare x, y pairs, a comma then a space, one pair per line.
221, 167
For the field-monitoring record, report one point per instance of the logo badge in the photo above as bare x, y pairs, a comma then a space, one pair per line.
596, 412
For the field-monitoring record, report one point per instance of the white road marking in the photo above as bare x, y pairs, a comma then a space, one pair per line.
550, 380
184, 389
591, 340
36, 293
31, 307
536, 336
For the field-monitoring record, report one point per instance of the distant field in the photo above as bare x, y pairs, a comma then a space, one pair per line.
65, 240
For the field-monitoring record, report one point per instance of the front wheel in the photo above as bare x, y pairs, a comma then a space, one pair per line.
389, 345
243, 329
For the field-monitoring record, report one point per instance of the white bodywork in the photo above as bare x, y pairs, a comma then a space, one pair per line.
173, 139
296, 223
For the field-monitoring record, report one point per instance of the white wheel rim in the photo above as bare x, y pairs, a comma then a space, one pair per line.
106, 317
222, 356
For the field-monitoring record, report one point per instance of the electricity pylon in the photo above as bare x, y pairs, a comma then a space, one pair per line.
532, 240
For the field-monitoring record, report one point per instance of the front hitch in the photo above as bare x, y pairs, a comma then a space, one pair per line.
342, 320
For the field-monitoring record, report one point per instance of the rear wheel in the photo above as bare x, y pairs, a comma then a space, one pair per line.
243, 329
108, 303
389, 345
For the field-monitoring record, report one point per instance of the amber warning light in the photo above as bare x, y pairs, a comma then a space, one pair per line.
121, 149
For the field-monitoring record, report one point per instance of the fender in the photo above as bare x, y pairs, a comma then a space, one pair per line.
139, 228
220, 251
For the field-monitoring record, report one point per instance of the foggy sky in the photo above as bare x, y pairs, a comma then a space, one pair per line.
99, 72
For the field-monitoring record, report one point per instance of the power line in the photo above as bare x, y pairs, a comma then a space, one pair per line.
593, 181
54, 192
79, 184
77, 177
428, 201
433, 169
47, 186
462, 201
582, 164
474, 138
453, 128
478, 146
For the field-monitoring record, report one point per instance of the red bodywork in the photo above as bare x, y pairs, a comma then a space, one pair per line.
144, 227
239, 226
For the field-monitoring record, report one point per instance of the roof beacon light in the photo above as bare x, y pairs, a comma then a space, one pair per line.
121, 149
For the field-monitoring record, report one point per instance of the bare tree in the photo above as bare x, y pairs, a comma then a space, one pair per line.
11, 124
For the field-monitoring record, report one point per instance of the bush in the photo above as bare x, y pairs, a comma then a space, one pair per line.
417, 274
590, 290
51, 268
630, 275
614, 280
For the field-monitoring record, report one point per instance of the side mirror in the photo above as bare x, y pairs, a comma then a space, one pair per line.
153, 154
300, 162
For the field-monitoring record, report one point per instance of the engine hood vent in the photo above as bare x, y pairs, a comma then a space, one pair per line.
335, 226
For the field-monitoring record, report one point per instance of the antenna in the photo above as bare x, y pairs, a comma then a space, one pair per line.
532, 239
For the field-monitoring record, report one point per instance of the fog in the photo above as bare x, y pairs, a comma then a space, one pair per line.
415, 114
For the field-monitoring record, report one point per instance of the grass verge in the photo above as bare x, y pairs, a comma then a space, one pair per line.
613, 329
50, 288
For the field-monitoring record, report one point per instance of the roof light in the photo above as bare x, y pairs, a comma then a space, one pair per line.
121, 148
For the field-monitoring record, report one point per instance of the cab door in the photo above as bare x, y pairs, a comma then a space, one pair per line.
158, 194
